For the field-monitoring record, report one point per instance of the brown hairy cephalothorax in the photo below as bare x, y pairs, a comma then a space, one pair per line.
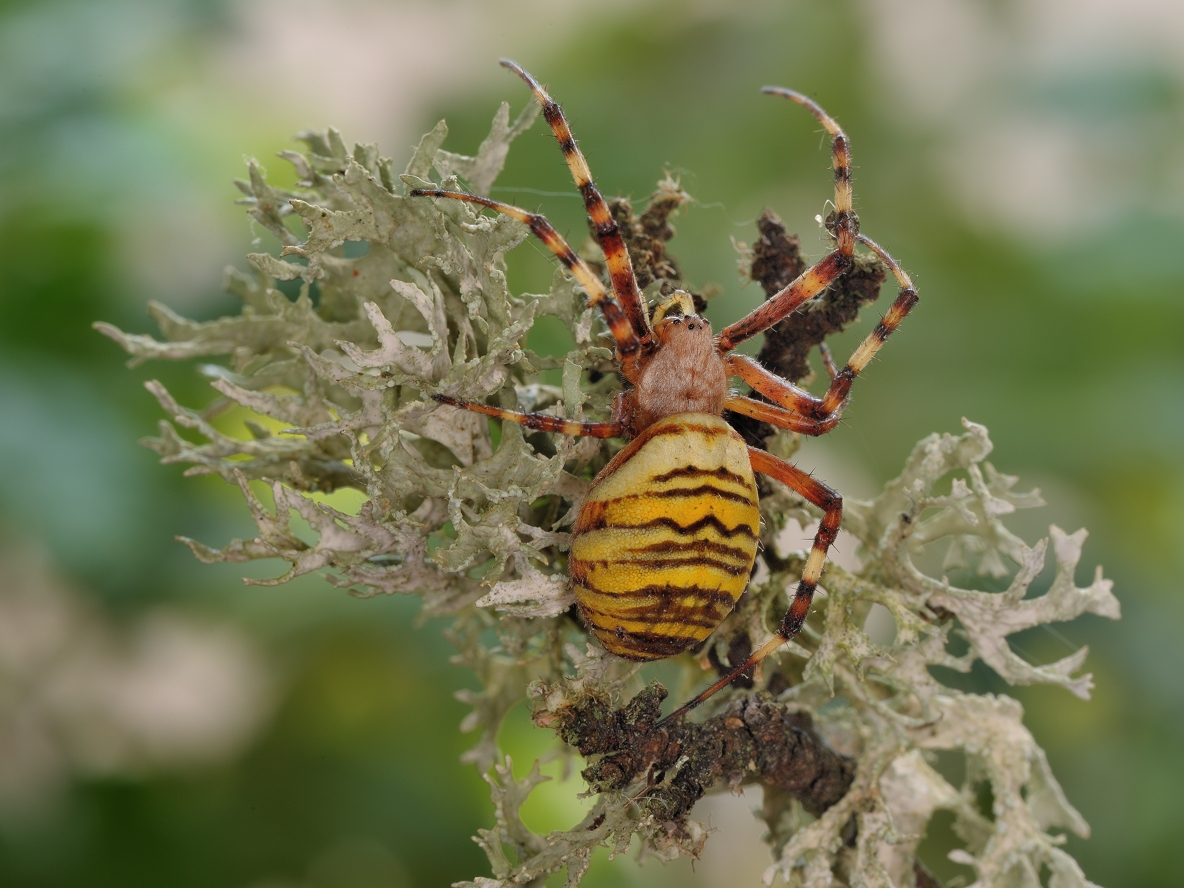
685, 374
666, 537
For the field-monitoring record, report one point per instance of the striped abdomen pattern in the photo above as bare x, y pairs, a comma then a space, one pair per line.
666, 538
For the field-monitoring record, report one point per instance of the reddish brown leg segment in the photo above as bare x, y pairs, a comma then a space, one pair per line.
628, 346
774, 415
796, 401
608, 234
811, 282
832, 505
540, 421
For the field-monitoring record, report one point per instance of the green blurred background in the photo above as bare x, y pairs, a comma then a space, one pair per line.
162, 724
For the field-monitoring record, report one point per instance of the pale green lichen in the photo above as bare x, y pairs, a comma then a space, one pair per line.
342, 373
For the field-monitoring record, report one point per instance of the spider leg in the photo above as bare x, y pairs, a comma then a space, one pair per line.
827, 360
840, 388
843, 223
540, 421
829, 408
628, 346
608, 233
832, 504
794, 400
809, 284
778, 416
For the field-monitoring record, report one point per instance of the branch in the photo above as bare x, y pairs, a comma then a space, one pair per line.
755, 739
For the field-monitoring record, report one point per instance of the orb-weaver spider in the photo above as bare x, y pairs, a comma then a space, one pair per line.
666, 538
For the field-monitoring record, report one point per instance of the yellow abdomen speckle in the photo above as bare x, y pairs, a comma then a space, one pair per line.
665, 540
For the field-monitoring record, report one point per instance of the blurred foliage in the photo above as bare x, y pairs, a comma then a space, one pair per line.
1063, 339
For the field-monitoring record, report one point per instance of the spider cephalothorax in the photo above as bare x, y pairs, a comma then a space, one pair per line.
666, 537
684, 373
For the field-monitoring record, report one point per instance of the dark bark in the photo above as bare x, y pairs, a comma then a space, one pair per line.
753, 740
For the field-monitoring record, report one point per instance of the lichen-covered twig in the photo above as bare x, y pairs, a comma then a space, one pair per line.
399, 299
756, 739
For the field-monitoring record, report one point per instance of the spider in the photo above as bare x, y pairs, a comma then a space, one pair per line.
666, 537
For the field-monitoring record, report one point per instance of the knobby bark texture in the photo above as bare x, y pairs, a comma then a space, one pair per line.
753, 739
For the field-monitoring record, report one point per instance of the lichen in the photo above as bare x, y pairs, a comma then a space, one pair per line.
843, 731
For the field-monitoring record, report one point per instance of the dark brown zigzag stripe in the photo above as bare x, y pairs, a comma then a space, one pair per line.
667, 563
696, 472
691, 493
710, 597
682, 428
682, 530
682, 617
667, 610
653, 645
696, 546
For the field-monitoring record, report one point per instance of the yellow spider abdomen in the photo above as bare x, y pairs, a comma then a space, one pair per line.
666, 538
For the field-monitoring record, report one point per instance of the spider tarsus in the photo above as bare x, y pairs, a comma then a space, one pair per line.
827, 360
810, 105
521, 72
